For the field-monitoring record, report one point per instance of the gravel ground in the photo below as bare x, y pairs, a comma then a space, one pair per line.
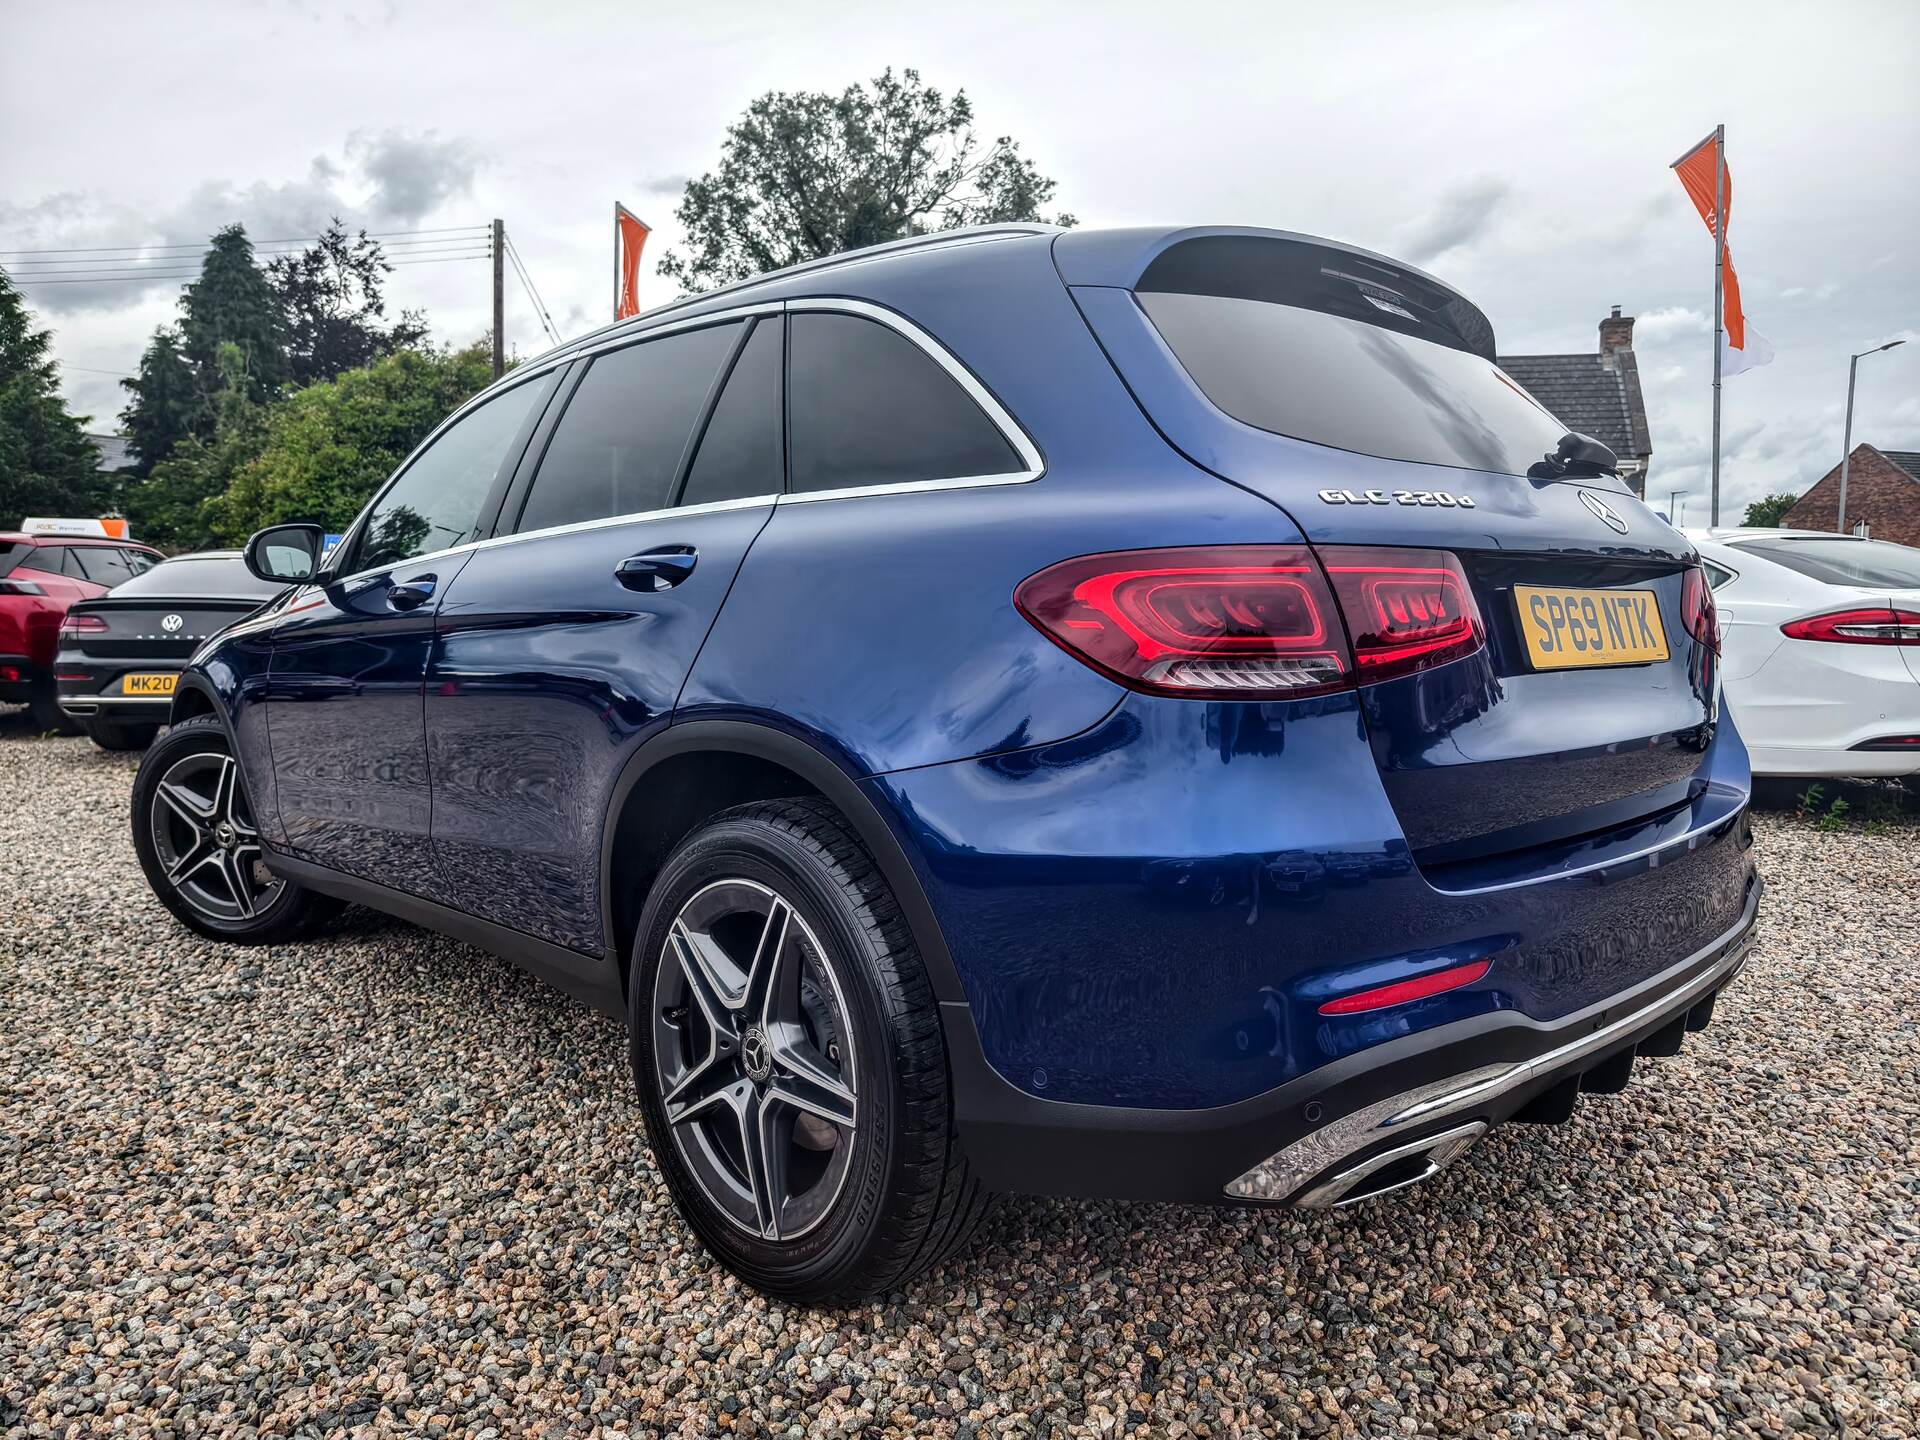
384, 1183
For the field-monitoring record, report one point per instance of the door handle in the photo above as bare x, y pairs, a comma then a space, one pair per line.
657, 569
411, 594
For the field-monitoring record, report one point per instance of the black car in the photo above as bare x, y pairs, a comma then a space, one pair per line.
121, 654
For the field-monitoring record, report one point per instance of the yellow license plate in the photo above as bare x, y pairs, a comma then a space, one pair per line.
1565, 629
147, 684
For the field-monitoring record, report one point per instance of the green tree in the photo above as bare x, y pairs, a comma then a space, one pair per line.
1769, 510
170, 507
232, 303
47, 464
332, 307
810, 174
326, 448
168, 402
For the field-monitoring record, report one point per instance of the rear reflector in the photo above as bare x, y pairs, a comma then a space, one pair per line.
1892, 742
1869, 625
1256, 621
1437, 982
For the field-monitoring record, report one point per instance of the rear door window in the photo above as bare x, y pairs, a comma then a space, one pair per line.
618, 446
1291, 339
103, 564
867, 406
742, 453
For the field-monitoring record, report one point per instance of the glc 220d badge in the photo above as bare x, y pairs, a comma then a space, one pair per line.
1397, 497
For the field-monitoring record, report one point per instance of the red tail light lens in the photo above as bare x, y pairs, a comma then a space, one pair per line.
1256, 621
1697, 610
1869, 625
1406, 610
1241, 621
20, 587
83, 625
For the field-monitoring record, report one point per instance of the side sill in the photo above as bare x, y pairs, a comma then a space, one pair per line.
585, 977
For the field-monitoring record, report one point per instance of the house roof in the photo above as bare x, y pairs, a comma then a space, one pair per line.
114, 451
1907, 460
1590, 394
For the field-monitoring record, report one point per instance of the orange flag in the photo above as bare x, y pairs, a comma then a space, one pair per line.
1742, 348
629, 238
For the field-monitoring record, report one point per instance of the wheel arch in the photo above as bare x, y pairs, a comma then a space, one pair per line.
710, 765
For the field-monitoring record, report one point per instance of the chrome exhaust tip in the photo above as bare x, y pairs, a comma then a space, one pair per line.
1393, 1169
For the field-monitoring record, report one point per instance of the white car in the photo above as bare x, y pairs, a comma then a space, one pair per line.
1820, 644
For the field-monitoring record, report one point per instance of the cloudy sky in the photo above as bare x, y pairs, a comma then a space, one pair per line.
1519, 151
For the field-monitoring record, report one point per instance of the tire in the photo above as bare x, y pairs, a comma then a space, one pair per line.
194, 833
117, 735
43, 702
894, 1194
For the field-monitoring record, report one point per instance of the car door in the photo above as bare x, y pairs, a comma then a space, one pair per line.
564, 642
342, 699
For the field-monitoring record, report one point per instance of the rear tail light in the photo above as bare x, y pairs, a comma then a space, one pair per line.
1256, 621
1435, 982
82, 625
1406, 610
1697, 610
1868, 625
20, 587
1244, 621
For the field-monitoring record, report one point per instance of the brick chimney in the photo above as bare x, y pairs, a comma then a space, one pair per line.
1616, 332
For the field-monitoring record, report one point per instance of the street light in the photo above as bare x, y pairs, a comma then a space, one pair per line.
1674, 497
1846, 443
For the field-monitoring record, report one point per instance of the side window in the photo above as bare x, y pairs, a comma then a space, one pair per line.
70, 565
740, 454
870, 407
104, 564
139, 561
618, 446
1717, 575
436, 501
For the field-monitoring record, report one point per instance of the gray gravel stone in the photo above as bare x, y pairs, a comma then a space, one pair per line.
382, 1183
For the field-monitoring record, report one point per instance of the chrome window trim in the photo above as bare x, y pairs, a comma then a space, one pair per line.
1010, 430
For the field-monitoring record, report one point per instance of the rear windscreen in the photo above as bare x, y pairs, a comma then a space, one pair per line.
10, 553
1846, 562
1294, 339
190, 576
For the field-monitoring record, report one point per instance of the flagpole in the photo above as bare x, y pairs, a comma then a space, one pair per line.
616, 259
1719, 307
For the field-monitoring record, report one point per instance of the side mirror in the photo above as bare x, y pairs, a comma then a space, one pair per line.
284, 554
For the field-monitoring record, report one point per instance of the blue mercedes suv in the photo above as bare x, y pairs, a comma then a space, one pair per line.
1149, 713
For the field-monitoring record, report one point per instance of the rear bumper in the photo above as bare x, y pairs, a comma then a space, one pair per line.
1348, 1129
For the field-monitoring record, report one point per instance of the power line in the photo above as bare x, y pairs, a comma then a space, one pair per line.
526, 281
132, 264
111, 277
398, 236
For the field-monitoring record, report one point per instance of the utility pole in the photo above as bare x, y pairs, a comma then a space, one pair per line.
1846, 444
499, 299
1673, 516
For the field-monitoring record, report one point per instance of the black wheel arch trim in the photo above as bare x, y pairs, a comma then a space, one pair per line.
811, 764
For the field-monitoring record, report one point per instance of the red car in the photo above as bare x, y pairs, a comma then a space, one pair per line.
40, 576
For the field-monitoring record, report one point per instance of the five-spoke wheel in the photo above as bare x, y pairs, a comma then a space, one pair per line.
755, 1076
206, 839
195, 833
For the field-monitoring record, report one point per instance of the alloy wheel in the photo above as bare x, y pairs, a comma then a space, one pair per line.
754, 1058
206, 841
